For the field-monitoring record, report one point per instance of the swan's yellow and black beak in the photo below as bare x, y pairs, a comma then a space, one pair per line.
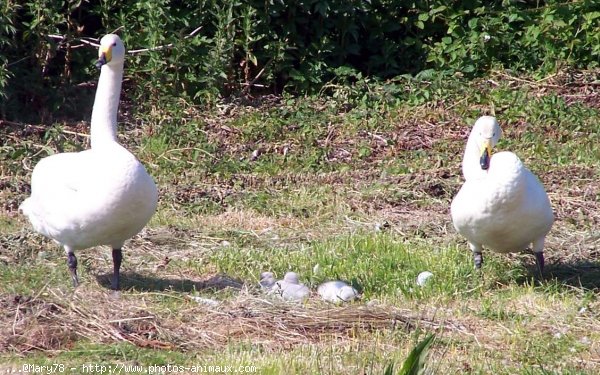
105, 55
486, 154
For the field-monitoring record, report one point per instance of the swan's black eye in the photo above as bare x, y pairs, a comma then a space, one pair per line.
114, 44
493, 135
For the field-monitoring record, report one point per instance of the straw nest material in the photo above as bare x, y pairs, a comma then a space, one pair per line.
56, 322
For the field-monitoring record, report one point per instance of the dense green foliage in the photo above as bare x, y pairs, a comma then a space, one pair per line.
275, 46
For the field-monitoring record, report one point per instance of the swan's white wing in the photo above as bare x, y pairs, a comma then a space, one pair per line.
55, 183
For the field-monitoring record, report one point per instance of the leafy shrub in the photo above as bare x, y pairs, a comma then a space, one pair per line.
516, 34
7, 29
275, 45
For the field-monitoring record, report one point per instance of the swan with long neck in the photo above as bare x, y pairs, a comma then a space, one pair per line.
100, 196
501, 205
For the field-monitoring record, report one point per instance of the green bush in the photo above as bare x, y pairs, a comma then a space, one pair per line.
7, 29
273, 46
517, 34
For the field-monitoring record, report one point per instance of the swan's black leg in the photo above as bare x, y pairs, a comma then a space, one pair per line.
539, 258
117, 256
478, 259
72, 262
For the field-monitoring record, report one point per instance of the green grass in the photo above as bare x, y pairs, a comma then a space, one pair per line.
350, 162
381, 265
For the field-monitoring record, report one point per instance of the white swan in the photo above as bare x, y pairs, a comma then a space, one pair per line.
502, 205
101, 196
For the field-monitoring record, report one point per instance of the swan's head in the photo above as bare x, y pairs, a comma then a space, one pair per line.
487, 132
111, 51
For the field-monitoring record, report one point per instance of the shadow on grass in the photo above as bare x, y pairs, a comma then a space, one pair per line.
579, 274
144, 283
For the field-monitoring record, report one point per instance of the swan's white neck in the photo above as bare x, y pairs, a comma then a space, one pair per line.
106, 104
470, 165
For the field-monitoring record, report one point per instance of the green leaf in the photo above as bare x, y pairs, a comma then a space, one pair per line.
513, 17
252, 58
415, 362
439, 9
389, 369
469, 68
297, 76
559, 23
591, 16
473, 22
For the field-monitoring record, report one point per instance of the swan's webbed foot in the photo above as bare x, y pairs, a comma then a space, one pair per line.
117, 256
478, 260
72, 262
539, 258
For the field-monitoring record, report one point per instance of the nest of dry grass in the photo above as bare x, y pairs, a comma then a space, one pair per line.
57, 322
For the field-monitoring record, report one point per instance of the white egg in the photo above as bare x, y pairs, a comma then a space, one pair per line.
423, 278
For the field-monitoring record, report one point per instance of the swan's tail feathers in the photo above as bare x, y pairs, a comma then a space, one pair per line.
25, 207
28, 208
